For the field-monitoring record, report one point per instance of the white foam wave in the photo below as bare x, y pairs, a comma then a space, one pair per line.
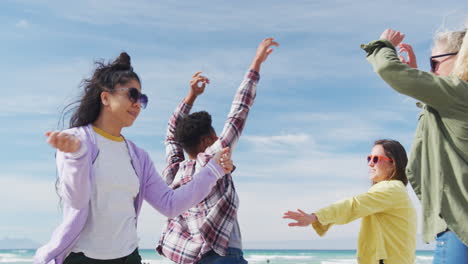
9, 260
425, 257
270, 257
339, 261
7, 255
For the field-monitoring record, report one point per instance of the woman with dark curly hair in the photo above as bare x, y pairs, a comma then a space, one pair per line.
104, 177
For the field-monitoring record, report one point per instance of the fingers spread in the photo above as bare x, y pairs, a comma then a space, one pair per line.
302, 212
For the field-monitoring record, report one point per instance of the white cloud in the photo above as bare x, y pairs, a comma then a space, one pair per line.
309, 16
22, 24
282, 142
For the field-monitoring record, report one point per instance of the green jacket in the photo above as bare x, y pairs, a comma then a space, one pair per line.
438, 164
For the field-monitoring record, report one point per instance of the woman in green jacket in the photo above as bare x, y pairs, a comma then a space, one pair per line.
388, 227
438, 164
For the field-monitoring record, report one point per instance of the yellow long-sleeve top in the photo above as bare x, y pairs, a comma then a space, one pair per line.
388, 227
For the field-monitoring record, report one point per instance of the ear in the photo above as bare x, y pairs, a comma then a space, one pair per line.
105, 98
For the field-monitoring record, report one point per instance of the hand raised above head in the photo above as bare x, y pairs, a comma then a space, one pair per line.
62, 141
264, 49
395, 37
198, 84
411, 61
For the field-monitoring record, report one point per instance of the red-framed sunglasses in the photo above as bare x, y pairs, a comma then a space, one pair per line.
376, 158
435, 62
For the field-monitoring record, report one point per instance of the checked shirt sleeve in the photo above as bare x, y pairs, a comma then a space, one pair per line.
174, 151
237, 116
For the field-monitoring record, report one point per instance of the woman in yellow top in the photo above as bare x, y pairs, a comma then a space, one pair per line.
388, 227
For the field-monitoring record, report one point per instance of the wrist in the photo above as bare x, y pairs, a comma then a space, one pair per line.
314, 218
256, 63
190, 98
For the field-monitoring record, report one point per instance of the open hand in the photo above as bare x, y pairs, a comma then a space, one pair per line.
62, 141
301, 218
395, 37
264, 49
411, 61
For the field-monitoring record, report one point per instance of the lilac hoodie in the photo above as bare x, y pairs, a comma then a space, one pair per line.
76, 180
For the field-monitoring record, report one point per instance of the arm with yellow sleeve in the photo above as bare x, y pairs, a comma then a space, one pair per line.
380, 197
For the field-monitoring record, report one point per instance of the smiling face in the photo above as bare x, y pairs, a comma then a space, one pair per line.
118, 106
380, 169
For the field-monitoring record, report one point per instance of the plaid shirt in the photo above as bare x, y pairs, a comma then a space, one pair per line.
208, 225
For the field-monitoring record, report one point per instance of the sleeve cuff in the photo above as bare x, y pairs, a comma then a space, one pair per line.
215, 169
370, 47
77, 154
319, 227
253, 75
185, 108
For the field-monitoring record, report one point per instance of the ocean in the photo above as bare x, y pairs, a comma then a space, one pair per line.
271, 256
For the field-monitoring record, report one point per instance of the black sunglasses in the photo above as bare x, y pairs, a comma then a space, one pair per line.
134, 95
434, 62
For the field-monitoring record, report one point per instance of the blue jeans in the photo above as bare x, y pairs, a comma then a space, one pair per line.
233, 256
450, 250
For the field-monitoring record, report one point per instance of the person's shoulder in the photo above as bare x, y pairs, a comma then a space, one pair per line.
139, 152
389, 186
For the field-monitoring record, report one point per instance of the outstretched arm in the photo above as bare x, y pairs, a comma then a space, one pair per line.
243, 100
379, 198
171, 202
174, 151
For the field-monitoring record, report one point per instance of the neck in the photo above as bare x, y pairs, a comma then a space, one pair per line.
194, 156
107, 125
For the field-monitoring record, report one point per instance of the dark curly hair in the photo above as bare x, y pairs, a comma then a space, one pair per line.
106, 76
191, 129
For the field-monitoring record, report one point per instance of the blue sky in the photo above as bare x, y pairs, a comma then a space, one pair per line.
318, 109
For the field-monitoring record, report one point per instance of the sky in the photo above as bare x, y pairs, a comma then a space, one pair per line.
318, 110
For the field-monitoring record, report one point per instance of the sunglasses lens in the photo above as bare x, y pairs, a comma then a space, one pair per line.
433, 65
133, 94
375, 159
143, 100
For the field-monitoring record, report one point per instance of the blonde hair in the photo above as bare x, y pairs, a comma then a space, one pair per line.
460, 68
454, 41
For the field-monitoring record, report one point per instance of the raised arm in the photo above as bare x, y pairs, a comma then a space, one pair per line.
174, 151
243, 100
445, 94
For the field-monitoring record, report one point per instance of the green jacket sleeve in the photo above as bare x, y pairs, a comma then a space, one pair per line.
448, 95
